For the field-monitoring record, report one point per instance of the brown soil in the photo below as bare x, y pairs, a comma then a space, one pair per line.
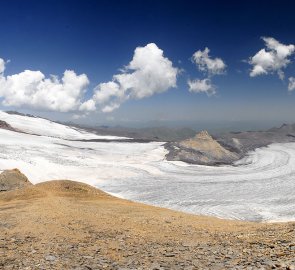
70, 225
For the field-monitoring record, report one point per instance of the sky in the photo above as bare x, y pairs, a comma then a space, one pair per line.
211, 64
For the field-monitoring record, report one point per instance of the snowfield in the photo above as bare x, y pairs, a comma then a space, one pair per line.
260, 187
41, 126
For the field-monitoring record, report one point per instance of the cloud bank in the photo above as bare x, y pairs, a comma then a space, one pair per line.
33, 90
148, 73
209, 67
272, 59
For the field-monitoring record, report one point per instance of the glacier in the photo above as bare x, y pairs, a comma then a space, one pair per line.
259, 187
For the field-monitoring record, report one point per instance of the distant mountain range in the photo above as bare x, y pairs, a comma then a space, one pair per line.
150, 133
22, 114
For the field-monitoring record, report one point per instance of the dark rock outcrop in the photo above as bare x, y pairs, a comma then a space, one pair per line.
5, 125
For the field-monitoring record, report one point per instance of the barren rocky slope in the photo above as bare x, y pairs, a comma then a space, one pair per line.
69, 225
201, 149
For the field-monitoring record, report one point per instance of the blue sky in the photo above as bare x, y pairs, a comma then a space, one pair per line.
98, 38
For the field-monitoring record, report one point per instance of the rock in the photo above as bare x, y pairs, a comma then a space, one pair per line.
5, 125
169, 255
87, 257
195, 263
50, 258
13, 179
155, 266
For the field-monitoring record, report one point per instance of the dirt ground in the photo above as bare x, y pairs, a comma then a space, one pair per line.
70, 225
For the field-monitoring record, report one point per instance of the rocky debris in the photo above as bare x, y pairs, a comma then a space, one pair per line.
228, 251
13, 179
201, 149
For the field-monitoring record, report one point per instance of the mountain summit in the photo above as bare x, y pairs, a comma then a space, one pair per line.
201, 149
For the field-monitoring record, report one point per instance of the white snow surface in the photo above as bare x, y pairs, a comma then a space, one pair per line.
41, 126
260, 187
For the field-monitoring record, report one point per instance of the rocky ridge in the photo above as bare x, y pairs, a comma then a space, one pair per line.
4, 125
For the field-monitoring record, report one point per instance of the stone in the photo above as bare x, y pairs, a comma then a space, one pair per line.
50, 258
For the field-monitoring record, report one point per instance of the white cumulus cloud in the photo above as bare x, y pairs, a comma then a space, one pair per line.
273, 58
88, 105
212, 66
32, 89
202, 86
148, 73
291, 85
2, 66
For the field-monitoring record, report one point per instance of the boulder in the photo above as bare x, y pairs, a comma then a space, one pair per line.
12, 180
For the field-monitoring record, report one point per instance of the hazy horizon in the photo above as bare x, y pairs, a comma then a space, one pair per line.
213, 127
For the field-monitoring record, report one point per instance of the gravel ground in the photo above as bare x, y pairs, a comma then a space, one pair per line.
68, 225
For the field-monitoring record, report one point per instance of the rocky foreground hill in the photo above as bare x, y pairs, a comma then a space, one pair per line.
70, 225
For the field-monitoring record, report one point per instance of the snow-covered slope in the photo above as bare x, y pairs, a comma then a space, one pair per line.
43, 158
44, 127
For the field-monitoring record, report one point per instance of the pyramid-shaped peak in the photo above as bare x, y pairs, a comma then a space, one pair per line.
204, 135
284, 125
